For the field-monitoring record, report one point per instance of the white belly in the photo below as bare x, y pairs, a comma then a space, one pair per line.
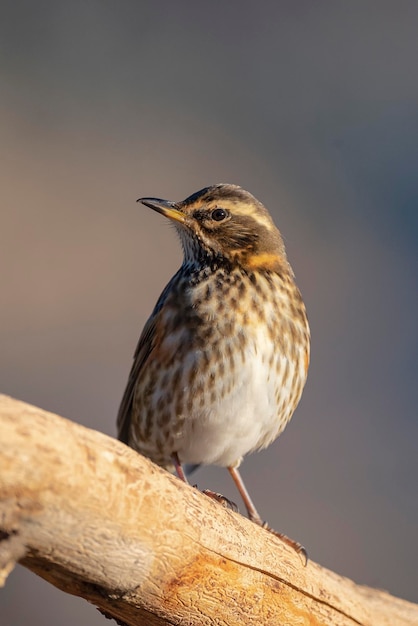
248, 416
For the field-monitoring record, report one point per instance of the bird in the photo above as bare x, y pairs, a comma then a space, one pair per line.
222, 361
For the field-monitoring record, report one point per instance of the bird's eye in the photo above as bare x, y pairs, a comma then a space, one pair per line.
219, 214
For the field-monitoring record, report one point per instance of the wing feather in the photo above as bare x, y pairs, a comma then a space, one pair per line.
143, 350
146, 344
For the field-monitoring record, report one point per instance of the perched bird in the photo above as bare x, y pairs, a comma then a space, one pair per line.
222, 361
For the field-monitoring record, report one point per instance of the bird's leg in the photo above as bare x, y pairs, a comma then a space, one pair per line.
249, 505
255, 517
179, 468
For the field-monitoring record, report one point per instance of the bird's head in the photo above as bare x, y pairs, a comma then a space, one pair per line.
225, 222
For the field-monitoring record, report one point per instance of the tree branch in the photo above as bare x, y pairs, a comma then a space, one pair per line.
97, 520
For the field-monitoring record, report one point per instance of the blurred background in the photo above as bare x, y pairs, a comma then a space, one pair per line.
311, 106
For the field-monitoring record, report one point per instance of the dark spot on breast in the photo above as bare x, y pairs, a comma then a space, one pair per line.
241, 289
211, 380
205, 359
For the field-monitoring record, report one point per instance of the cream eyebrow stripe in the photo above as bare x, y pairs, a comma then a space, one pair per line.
260, 219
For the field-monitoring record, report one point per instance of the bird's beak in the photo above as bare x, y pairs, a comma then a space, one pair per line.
165, 207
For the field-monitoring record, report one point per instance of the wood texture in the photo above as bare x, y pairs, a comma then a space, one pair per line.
97, 520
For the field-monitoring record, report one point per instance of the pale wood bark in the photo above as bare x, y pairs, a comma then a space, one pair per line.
99, 521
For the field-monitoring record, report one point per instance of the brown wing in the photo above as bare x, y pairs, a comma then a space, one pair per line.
146, 345
144, 348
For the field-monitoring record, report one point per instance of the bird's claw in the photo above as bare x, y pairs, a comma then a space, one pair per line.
218, 497
297, 547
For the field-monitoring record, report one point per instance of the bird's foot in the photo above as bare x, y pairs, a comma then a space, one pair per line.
218, 497
297, 547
